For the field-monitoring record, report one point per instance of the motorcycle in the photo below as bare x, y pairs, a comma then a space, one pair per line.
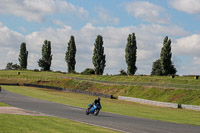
93, 109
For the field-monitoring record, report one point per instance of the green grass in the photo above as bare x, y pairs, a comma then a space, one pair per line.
43, 124
142, 89
181, 96
111, 105
3, 104
178, 81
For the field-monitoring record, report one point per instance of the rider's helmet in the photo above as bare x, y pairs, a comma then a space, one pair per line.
99, 99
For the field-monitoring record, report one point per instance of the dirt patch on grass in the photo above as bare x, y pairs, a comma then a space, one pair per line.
18, 111
176, 98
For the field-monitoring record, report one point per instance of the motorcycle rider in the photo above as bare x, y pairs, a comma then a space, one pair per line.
96, 101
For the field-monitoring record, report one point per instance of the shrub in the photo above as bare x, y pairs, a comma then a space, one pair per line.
88, 71
11, 66
36, 70
57, 72
123, 72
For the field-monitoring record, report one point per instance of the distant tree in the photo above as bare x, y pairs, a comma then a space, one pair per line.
130, 54
99, 58
15, 67
156, 68
23, 56
45, 61
11, 66
165, 58
88, 71
70, 55
172, 70
123, 72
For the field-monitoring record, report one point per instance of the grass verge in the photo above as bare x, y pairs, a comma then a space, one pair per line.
110, 105
3, 104
44, 124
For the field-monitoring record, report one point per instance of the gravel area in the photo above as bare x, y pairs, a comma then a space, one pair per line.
18, 111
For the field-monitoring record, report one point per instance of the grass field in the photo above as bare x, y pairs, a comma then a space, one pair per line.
140, 85
43, 124
111, 105
181, 96
178, 81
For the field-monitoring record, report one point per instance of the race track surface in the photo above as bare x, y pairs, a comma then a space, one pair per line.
109, 120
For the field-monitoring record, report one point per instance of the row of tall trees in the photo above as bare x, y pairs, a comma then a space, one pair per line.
98, 59
162, 66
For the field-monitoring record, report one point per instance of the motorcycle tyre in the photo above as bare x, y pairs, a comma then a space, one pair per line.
87, 111
96, 112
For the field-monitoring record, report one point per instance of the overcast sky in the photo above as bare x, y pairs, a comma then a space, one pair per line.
33, 21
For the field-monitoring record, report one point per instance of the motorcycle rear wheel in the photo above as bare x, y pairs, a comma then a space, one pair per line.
87, 111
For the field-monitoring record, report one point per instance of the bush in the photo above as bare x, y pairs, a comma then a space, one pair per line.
57, 72
88, 71
156, 68
123, 72
36, 70
11, 66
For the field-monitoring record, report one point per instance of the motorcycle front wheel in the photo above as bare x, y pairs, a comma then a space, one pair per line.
96, 112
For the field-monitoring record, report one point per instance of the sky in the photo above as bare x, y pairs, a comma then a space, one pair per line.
33, 21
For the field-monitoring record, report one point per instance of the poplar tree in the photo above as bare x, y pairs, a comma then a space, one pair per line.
23, 56
165, 58
70, 55
156, 68
99, 58
130, 54
45, 61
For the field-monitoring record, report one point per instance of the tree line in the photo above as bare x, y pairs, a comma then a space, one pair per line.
162, 66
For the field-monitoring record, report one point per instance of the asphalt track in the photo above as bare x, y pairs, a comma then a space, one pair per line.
109, 120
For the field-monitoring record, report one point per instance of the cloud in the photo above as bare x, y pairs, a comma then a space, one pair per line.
23, 29
9, 42
189, 45
188, 48
196, 60
104, 17
9, 38
188, 6
58, 22
147, 12
149, 44
36, 10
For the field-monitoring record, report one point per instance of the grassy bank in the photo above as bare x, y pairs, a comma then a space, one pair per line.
181, 96
163, 80
111, 105
166, 94
43, 124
